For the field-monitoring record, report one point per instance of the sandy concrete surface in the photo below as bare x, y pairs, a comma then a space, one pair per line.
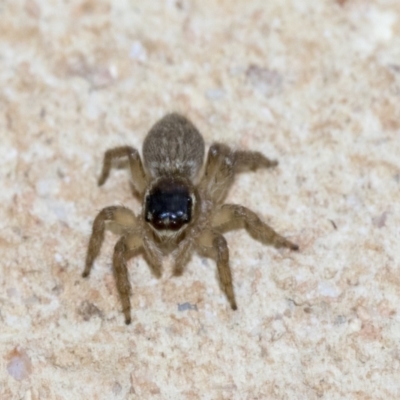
314, 84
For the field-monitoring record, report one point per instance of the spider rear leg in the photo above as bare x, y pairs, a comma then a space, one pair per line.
216, 246
230, 214
124, 250
219, 171
122, 216
251, 160
223, 163
135, 165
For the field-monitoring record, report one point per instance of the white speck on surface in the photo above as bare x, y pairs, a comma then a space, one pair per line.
113, 69
267, 114
19, 367
328, 290
15, 321
50, 308
382, 23
12, 292
215, 94
46, 187
8, 155
354, 325
54, 210
138, 52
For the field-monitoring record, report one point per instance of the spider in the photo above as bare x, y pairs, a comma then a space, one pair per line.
182, 208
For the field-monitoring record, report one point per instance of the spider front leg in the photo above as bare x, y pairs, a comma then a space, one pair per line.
223, 163
153, 256
181, 257
124, 250
135, 165
229, 214
215, 245
122, 216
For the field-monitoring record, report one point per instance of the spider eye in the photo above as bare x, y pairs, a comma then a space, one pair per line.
168, 205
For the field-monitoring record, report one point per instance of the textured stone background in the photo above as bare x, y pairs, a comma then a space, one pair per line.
315, 85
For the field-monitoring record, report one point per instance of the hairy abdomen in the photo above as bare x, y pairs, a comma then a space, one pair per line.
173, 146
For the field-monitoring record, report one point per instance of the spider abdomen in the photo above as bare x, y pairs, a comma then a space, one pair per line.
173, 146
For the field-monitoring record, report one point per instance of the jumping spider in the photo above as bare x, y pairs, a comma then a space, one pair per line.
182, 209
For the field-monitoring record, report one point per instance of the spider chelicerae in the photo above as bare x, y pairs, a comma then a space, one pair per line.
182, 208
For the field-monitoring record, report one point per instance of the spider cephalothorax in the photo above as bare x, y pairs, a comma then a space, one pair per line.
168, 204
182, 210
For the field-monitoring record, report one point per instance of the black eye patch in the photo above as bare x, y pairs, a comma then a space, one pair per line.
168, 205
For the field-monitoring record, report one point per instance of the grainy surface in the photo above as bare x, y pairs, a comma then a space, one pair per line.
315, 85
